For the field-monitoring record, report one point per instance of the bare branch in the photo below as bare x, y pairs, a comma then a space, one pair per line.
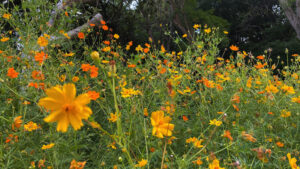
95, 20
60, 6
293, 17
72, 33
298, 7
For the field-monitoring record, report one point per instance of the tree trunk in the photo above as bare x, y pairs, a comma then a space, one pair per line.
292, 15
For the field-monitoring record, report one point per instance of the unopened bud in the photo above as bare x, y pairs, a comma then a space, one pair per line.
95, 56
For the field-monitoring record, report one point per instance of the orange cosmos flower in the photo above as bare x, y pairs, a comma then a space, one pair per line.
279, 144
105, 27
38, 75
93, 95
106, 42
17, 123
77, 165
146, 50
31, 84
259, 65
185, 118
234, 48
161, 124
40, 57
81, 35
102, 22
85, 67
227, 134
261, 57
236, 99
65, 107
12, 73
163, 70
248, 137
93, 71
131, 65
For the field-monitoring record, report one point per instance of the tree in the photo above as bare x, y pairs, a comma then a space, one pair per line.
292, 11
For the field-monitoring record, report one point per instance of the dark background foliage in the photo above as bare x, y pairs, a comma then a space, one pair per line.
253, 25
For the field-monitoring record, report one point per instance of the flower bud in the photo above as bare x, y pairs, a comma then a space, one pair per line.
95, 56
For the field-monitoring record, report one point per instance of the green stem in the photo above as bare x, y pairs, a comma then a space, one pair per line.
120, 133
164, 153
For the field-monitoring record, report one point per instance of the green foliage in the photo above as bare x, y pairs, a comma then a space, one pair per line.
196, 14
203, 94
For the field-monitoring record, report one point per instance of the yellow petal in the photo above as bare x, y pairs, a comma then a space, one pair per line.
83, 99
56, 93
75, 121
50, 103
70, 91
53, 117
86, 112
63, 123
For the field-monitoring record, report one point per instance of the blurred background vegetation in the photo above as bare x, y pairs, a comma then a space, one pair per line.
253, 25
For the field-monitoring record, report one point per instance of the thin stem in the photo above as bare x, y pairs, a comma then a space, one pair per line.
164, 153
122, 140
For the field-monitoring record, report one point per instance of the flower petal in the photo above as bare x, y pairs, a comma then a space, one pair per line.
52, 117
69, 91
63, 123
50, 103
83, 99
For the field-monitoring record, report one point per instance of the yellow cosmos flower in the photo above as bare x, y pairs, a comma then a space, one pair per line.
196, 26
68, 54
215, 164
288, 89
6, 16
30, 126
285, 113
296, 99
113, 117
116, 36
208, 30
293, 162
4, 39
141, 163
48, 146
42, 41
130, 92
65, 107
271, 88
215, 122
161, 124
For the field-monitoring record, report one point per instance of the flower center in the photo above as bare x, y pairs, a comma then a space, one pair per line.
68, 108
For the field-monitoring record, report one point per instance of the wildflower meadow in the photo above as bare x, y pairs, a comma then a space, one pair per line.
80, 99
